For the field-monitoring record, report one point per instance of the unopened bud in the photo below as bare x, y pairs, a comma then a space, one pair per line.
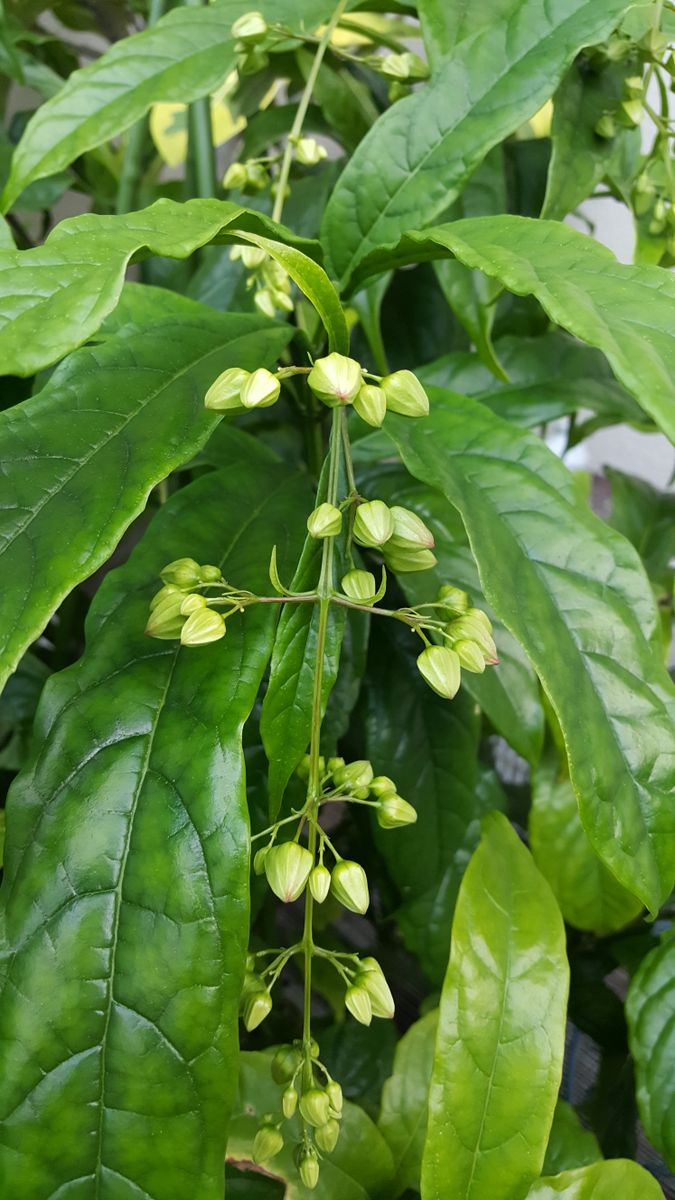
202, 627
260, 390
308, 152
210, 574
354, 774
349, 885
335, 379
289, 1102
370, 403
315, 1106
334, 764
401, 561
393, 811
192, 603
250, 27
470, 655
308, 1168
257, 1006
359, 586
357, 1000
183, 572
453, 600
287, 868
633, 111
633, 85
235, 177
165, 620
325, 521
252, 257
410, 532
403, 66
371, 977
373, 524
382, 784
164, 593
266, 1143
259, 860
285, 1063
327, 1136
225, 391
405, 394
264, 302
440, 667
475, 626
605, 127
319, 883
335, 1096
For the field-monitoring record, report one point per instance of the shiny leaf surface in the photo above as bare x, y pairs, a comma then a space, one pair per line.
569, 1144
405, 1097
599, 1181
650, 1009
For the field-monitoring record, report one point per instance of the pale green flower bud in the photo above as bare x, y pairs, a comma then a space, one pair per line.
327, 1136
410, 532
235, 177
183, 572
264, 302
360, 793
266, 1143
440, 667
325, 521
470, 655
192, 603
259, 860
605, 127
257, 1006
287, 868
370, 403
315, 1106
285, 1063
356, 774
373, 524
289, 1102
250, 27
309, 1168
308, 152
453, 600
260, 390
281, 300
633, 111
382, 784
477, 629
349, 885
165, 620
357, 1000
335, 379
394, 811
403, 66
405, 394
210, 574
319, 883
335, 1096
225, 391
359, 586
202, 627
371, 977
169, 590
400, 561
633, 85
334, 764
252, 257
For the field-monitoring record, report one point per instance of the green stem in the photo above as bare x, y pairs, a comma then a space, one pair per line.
282, 181
132, 161
200, 137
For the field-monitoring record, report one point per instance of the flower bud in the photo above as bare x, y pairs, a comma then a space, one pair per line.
192, 603
476, 628
250, 27
393, 811
632, 110
382, 784
210, 574
359, 586
327, 1136
259, 860
289, 1102
235, 177
605, 127
453, 600
287, 868
370, 403
354, 775
349, 885
410, 532
253, 257
266, 1143
334, 764
325, 521
357, 1000
201, 627
260, 390
403, 66
308, 152
225, 391
308, 1167
264, 302
440, 667
401, 561
164, 593
335, 1096
285, 1063
371, 977
335, 379
165, 620
373, 524
315, 1106
183, 572
470, 655
319, 883
405, 394
257, 1006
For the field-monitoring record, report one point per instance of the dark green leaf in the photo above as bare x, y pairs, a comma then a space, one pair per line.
647, 518
650, 1010
125, 898
405, 1097
360, 1057
18, 702
599, 1181
569, 1144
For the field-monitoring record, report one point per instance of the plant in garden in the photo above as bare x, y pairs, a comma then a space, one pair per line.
336, 808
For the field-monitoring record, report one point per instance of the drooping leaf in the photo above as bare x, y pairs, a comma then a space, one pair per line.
501, 1031
416, 158
81, 457
575, 595
125, 899
650, 1010
57, 295
599, 1181
588, 894
625, 311
569, 1144
405, 1097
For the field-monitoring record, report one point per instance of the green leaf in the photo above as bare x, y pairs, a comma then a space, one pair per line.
184, 56
417, 157
405, 1097
581, 287
125, 899
359, 1168
57, 295
501, 1031
647, 518
81, 457
569, 1144
599, 1181
588, 894
650, 1011
18, 703
575, 595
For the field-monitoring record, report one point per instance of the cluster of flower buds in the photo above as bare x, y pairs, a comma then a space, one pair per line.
400, 70
627, 113
252, 34
308, 152
337, 380
181, 610
470, 645
237, 390
405, 542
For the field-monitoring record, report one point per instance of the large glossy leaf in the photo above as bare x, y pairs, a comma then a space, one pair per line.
588, 894
599, 1181
80, 457
416, 158
575, 595
569, 1144
187, 54
650, 1009
625, 311
405, 1097
501, 1031
57, 295
125, 900
359, 1168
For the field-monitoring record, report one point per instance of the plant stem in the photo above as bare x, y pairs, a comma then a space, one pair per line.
282, 181
133, 153
200, 138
